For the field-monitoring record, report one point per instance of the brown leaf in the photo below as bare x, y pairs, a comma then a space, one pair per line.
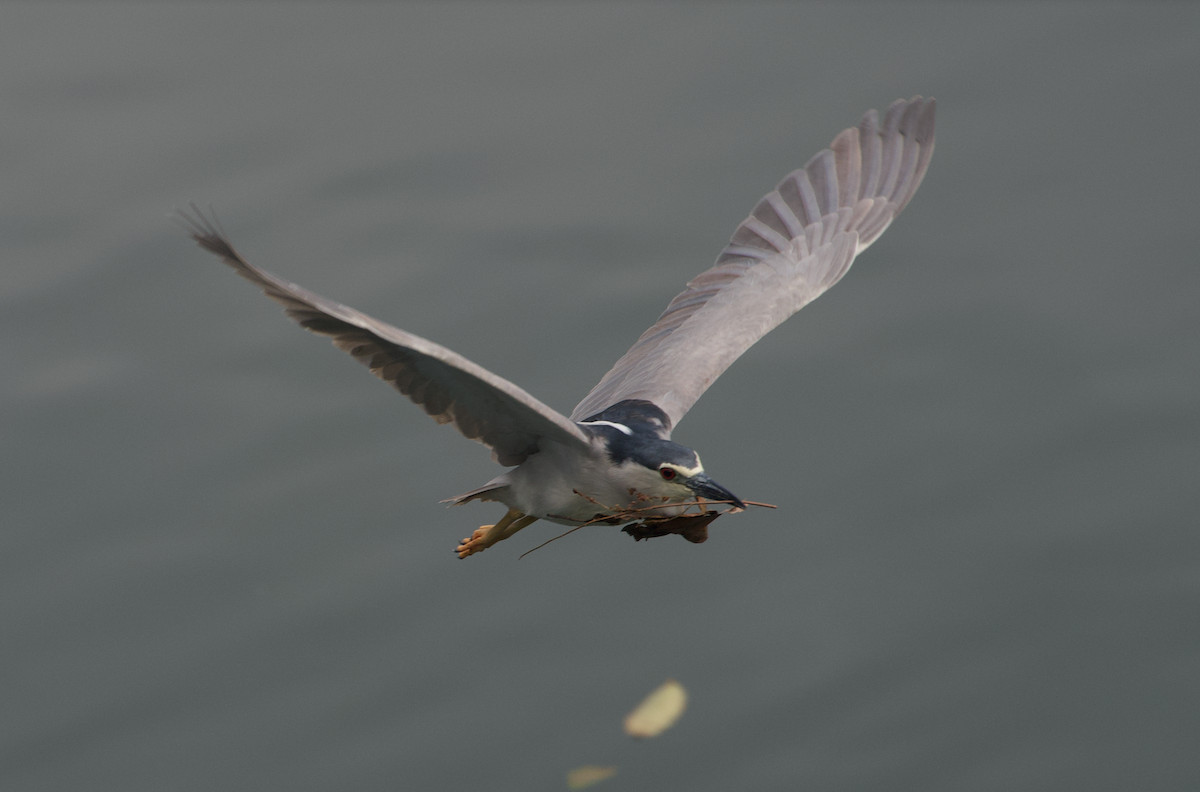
693, 527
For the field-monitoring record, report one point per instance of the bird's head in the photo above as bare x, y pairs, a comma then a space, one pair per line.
661, 468
635, 433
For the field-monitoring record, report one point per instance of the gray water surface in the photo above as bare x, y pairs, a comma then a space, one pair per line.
223, 564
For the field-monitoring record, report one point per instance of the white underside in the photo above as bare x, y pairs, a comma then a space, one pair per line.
545, 485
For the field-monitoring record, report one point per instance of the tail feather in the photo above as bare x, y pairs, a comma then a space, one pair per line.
487, 492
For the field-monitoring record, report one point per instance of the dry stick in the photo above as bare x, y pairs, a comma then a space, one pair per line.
619, 511
548, 541
629, 515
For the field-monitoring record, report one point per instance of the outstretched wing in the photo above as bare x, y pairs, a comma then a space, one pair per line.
798, 241
449, 387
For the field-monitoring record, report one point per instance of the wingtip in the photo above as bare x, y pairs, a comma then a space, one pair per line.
205, 229
919, 118
196, 222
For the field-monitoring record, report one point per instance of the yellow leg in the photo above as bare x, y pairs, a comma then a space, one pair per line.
487, 535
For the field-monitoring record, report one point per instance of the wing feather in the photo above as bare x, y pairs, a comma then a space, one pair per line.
799, 241
452, 389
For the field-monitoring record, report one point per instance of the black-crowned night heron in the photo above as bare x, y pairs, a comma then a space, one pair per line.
613, 460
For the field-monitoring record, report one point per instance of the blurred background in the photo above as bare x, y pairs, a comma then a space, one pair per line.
223, 564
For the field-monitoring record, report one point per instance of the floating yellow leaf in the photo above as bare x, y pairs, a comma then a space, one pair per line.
658, 712
587, 775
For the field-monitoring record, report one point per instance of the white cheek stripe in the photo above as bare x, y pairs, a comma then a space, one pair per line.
687, 472
617, 426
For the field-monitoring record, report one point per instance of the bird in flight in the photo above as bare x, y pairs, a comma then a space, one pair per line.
612, 460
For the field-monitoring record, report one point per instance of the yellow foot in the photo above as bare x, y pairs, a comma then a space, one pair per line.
487, 535
475, 543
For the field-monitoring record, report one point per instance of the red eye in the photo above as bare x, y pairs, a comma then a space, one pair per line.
667, 473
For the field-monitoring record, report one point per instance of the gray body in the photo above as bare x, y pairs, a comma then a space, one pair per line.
628, 445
